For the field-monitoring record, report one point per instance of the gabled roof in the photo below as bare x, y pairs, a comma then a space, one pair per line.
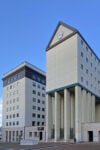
66, 27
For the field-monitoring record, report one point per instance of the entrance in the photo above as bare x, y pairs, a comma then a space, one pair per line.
40, 135
90, 133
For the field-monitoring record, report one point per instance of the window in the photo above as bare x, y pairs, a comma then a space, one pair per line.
43, 109
39, 108
38, 93
43, 88
38, 100
43, 116
13, 115
82, 79
7, 117
10, 116
30, 134
34, 84
38, 86
13, 100
43, 102
6, 123
34, 92
42, 123
86, 82
33, 123
38, 123
38, 115
34, 99
86, 48
17, 123
9, 123
17, 115
10, 86
81, 54
35, 134
17, 107
43, 95
33, 115
86, 59
91, 64
87, 71
34, 107
13, 123
82, 66
81, 42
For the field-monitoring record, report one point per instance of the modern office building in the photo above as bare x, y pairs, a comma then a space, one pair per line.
24, 103
73, 87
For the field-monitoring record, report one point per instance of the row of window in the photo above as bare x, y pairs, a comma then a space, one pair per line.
87, 83
38, 116
12, 101
87, 72
12, 108
13, 86
38, 100
95, 69
34, 123
38, 86
12, 123
87, 49
38, 108
12, 93
12, 116
38, 93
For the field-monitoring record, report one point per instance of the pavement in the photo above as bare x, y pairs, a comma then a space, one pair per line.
52, 146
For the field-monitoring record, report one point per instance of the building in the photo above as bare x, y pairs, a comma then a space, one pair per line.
73, 87
24, 103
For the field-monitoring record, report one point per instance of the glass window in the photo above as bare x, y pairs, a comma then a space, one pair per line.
30, 134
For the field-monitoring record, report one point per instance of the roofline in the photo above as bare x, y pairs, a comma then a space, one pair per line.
27, 64
65, 25
75, 32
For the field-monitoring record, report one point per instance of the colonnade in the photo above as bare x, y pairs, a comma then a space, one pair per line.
66, 110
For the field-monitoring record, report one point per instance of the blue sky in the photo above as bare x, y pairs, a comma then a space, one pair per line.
26, 27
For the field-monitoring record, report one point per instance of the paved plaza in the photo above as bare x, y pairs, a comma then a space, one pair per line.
52, 146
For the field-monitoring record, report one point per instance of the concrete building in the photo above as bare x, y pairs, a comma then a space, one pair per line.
73, 87
24, 103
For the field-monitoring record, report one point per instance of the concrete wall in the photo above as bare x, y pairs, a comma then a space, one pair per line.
62, 64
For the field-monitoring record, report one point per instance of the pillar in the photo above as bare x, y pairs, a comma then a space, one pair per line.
93, 108
78, 113
48, 116
84, 106
62, 117
66, 115
72, 116
57, 116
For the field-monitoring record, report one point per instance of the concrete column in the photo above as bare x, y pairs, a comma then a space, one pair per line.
48, 116
66, 115
78, 113
72, 116
93, 108
88, 107
84, 104
57, 116
62, 113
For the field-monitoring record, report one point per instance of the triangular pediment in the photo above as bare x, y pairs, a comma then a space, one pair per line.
62, 32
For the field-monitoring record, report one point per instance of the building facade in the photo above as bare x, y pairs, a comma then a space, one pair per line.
73, 86
24, 103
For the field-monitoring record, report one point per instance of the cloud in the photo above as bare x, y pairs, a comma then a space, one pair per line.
0, 112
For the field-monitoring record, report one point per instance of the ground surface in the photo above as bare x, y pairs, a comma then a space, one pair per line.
52, 146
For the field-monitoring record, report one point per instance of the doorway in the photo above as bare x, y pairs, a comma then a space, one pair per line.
40, 136
90, 135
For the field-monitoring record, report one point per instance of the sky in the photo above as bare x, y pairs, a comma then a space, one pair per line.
26, 27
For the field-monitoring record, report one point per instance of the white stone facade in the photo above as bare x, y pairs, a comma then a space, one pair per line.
23, 101
73, 85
